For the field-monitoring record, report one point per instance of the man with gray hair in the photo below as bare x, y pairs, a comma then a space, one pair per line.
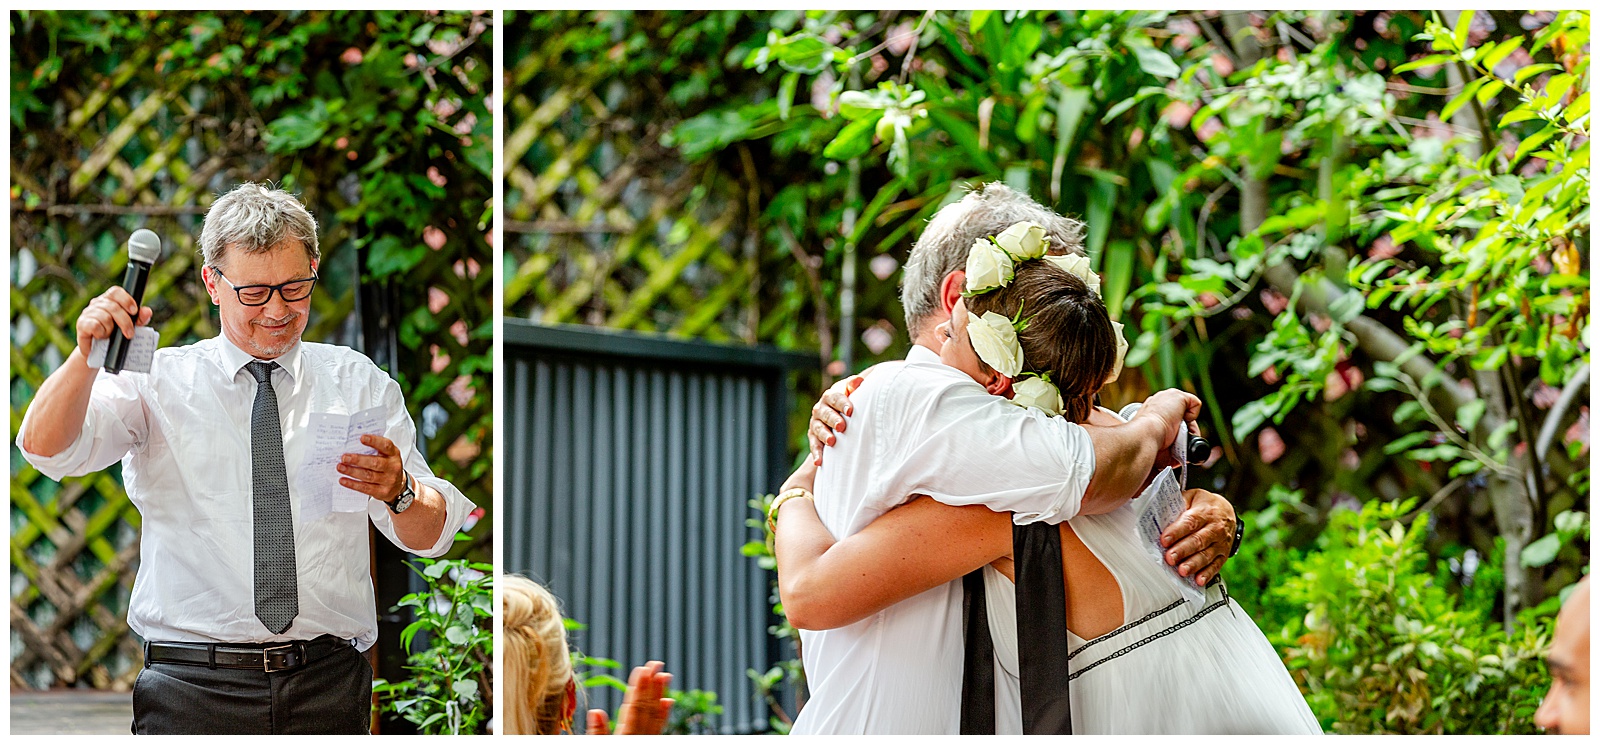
899, 670
254, 594
934, 276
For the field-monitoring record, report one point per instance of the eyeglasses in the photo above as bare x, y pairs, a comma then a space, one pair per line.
254, 295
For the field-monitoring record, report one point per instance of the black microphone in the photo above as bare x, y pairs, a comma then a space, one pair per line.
144, 247
1199, 449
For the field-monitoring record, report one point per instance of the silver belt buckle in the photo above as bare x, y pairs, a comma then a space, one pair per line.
266, 658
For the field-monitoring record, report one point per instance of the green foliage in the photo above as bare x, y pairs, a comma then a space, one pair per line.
1368, 258
450, 689
1383, 648
787, 674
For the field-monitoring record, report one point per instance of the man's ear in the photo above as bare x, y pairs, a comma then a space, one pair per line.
950, 289
999, 385
209, 276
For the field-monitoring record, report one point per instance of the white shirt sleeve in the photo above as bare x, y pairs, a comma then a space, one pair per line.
959, 444
402, 432
114, 424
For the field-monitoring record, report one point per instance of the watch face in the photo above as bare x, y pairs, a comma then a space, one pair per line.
403, 501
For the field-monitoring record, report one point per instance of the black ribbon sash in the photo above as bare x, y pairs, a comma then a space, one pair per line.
977, 671
1042, 651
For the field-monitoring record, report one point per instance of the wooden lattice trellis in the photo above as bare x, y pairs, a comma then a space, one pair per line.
611, 228
134, 146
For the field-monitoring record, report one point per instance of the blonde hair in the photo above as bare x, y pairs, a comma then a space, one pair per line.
537, 664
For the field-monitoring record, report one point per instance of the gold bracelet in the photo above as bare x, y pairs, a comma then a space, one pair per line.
788, 494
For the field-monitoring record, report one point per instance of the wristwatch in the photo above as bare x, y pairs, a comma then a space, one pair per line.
1238, 536
408, 495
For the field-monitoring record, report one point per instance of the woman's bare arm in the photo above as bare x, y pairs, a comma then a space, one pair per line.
825, 584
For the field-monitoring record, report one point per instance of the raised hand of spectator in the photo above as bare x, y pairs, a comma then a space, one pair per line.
644, 707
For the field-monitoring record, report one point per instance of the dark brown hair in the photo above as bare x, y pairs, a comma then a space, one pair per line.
1068, 335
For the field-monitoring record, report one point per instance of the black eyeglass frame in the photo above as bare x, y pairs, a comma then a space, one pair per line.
238, 290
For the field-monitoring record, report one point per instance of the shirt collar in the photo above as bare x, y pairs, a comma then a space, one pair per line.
234, 359
920, 353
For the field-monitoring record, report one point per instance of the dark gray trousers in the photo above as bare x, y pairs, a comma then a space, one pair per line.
330, 696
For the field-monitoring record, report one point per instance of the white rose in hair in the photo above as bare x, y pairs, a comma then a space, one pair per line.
1078, 266
1122, 351
1023, 241
988, 267
1037, 393
995, 341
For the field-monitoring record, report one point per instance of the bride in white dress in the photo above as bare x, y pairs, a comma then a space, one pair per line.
1154, 662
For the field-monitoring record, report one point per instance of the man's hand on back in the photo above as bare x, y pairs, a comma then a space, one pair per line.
1199, 541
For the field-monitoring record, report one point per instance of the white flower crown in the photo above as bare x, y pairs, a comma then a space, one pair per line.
991, 264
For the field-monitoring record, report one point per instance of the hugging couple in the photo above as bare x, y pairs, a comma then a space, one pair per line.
962, 552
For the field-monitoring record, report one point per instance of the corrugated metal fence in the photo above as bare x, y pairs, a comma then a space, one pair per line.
630, 462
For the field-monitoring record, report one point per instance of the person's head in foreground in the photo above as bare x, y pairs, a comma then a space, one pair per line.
540, 692
1042, 338
1565, 710
260, 251
943, 246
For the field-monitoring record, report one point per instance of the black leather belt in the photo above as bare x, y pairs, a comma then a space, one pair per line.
268, 657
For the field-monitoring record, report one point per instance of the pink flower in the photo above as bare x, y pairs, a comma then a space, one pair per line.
351, 56
1270, 445
434, 237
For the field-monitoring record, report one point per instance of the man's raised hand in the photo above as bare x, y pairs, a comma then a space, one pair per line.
1172, 409
114, 310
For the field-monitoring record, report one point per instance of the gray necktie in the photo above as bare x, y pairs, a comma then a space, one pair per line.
277, 597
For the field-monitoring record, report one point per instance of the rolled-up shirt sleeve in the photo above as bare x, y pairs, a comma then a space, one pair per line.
963, 446
403, 433
113, 425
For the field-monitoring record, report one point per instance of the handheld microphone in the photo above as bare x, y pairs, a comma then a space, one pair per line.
144, 247
1199, 449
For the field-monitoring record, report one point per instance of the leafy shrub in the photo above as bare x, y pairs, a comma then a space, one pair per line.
1385, 648
450, 678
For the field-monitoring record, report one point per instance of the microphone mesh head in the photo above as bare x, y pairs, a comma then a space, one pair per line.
144, 246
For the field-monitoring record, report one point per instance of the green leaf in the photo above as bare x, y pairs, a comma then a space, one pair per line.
1571, 522
1462, 98
786, 88
457, 635
390, 255
1463, 28
1528, 73
1156, 62
977, 19
466, 690
1518, 114
1468, 415
1494, 56
1346, 307
1577, 109
1428, 61
1542, 551
1534, 142
852, 141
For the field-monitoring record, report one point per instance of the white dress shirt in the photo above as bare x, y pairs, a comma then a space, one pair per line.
921, 427
182, 432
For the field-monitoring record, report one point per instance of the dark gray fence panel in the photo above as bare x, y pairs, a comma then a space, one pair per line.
630, 463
